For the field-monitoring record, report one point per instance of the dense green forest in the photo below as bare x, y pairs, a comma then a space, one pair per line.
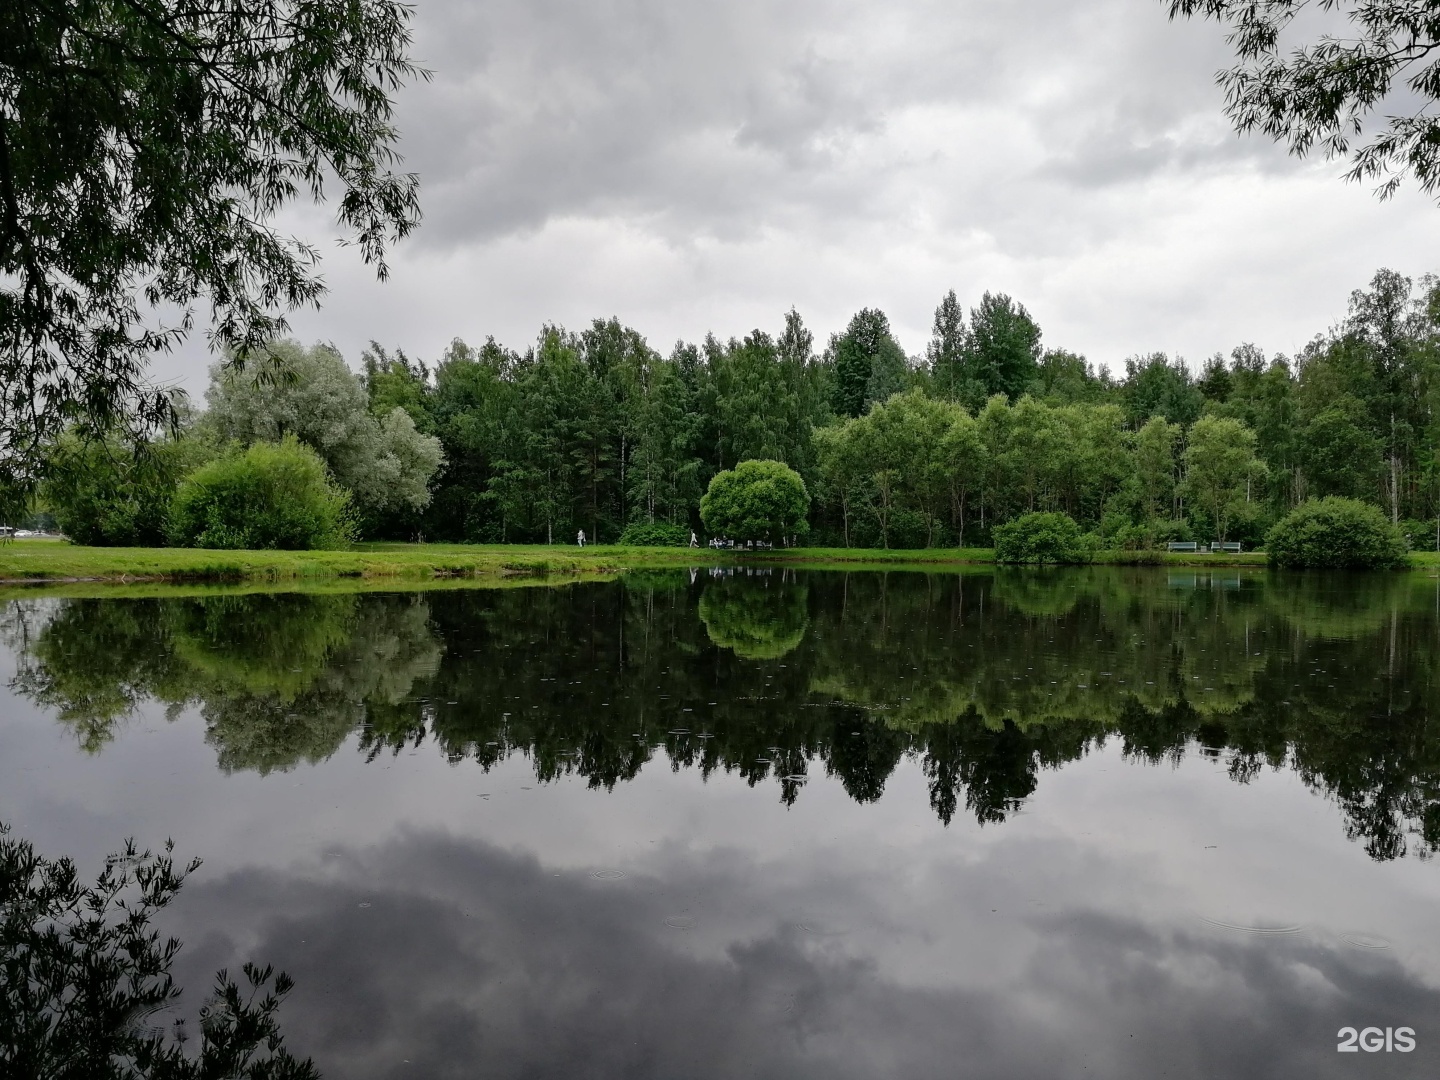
597, 430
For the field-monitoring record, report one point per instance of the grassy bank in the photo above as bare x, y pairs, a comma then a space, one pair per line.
50, 561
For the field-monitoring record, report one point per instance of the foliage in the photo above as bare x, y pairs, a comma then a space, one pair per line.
757, 500
385, 462
844, 472
146, 149
1421, 535
1003, 348
1337, 451
1324, 91
1155, 385
654, 534
273, 495
996, 352
81, 967
1198, 662
596, 430
1041, 538
869, 363
757, 622
1220, 465
1155, 463
1336, 533
110, 494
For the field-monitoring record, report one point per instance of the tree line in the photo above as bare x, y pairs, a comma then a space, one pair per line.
597, 430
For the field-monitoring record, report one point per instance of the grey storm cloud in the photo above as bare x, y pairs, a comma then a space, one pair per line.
720, 119
436, 956
691, 167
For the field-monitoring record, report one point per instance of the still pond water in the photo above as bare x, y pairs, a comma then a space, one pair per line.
703, 824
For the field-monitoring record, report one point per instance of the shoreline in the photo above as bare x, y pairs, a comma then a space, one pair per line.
30, 564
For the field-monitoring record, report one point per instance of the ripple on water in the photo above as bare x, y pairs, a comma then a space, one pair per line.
680, 922
608, 875
1264, 929
1365, 941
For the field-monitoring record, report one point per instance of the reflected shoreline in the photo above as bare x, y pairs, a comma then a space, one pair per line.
986, 680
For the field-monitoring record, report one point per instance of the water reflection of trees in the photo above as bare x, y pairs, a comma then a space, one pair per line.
278, 679
85, 979
758, 618
985, 681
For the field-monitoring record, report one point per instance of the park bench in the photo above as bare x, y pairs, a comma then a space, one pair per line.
1227, 545
1183, 545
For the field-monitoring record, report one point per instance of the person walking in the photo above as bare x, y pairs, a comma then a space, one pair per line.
694, 540
580, 538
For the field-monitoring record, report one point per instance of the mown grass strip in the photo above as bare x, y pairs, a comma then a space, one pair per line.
51, 561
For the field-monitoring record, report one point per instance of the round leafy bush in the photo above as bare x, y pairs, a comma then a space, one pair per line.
1041, 538
274, 495
654, 534
1335, 533
757, 500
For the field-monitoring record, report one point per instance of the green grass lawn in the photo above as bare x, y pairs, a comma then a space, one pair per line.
58, 561
52, 560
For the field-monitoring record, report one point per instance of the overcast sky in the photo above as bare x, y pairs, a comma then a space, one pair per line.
692, 167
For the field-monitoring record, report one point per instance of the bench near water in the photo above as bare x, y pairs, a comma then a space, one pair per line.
1191, 547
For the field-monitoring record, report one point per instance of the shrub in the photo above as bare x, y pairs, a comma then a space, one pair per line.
274, 495
1248, 524
757, 500
1041, 538
1131, 538
654, 534
1175, 529
1336, 533
907, 528
111, 494
1420, 535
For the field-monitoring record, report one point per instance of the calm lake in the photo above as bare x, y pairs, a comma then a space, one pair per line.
1103, 822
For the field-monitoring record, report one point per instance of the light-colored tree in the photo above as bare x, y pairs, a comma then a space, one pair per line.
882, 448
995, 424
385, 463
964, 455
1155, 465
843, 472
1219, 459
905, 446
1036, 450
1096, 463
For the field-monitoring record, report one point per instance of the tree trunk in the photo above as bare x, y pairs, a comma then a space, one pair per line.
1394, 489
